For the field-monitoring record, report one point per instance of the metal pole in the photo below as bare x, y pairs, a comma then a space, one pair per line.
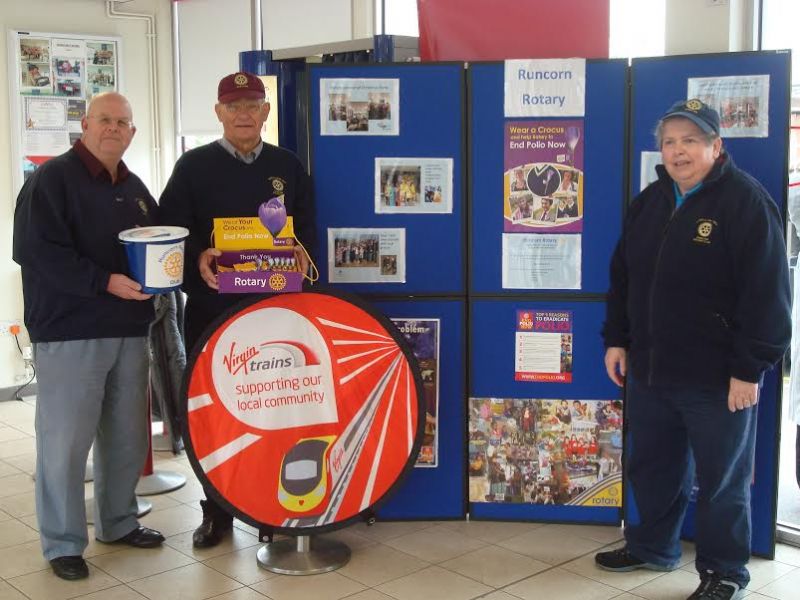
256, 33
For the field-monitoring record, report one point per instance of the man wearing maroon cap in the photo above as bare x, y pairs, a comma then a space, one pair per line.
230, 178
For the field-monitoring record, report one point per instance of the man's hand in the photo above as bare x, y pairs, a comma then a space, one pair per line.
742, 394
204, 263
616, 364
125, 288
302, 259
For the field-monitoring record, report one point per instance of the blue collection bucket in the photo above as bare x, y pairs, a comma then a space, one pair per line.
155, 257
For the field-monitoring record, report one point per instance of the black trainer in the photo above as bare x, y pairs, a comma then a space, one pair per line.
621, 560
715, 587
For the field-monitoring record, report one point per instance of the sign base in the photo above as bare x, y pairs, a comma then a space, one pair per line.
302, 556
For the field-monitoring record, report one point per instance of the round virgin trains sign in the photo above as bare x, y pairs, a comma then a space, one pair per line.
303, 410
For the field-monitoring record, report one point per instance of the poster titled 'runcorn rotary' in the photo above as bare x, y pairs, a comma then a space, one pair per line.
303, 410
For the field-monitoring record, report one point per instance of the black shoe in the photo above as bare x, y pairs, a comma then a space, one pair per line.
211, 531
70, 567
142, 537
215, 526
621, 560
714, 587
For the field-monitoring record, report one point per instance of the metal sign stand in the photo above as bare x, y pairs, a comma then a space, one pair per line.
303, 556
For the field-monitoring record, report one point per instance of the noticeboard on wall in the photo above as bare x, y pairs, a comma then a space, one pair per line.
52, 78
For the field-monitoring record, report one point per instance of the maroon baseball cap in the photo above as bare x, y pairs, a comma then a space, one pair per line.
239, 86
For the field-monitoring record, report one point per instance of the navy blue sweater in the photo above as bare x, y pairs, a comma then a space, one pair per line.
701, 294
208, 183
65, 239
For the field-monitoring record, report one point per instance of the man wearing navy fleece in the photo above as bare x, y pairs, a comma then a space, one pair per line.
698, 310
230, 177
88, 323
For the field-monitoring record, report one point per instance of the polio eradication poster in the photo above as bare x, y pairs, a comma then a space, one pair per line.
303, 410
543, 346
423, 337
359, 106
547, 452
543, 179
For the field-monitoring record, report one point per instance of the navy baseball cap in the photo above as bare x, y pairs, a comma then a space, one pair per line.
698, 112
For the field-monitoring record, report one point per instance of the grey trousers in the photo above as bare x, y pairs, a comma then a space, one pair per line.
89, 391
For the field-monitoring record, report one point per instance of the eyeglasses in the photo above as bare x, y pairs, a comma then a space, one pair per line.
250, 108
108, 122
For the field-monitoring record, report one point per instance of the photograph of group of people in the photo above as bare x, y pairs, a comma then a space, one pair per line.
544, 194
400, 186
358, 114
358, 254
358, 251
542, 451
100, 53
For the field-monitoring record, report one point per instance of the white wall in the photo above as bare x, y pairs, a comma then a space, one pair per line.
699, 26
89, 17
293, 23
228, 24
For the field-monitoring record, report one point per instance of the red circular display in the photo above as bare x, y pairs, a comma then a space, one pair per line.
302, 410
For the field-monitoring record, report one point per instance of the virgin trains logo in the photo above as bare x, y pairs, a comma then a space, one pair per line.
236, 361
267, 356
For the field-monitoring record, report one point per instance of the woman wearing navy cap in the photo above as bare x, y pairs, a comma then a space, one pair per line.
697, 311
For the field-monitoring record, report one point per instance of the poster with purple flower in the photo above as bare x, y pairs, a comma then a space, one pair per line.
543, 179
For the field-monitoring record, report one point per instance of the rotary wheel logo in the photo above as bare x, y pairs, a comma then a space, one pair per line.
173, 264
694, 105
704, 229
277, 281
240, 79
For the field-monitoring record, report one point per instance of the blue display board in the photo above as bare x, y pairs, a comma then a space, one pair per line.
656, 84
431, 125
437, 492
493, 326
604, 166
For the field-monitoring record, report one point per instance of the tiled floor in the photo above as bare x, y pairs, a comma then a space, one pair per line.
405, 561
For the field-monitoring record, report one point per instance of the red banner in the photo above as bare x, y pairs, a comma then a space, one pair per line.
472, 30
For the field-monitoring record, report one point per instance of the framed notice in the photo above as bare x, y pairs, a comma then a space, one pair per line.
53, 76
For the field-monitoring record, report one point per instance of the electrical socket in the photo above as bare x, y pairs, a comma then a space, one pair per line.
5, 326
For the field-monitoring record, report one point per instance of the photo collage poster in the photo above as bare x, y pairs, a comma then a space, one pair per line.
545, 452
423, 337
57, 76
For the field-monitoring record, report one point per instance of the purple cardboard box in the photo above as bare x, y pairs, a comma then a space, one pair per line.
268, 271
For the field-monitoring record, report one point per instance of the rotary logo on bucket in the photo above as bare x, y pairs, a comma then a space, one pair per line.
156, 257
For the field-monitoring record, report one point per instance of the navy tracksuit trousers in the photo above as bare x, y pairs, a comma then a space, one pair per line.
667, 428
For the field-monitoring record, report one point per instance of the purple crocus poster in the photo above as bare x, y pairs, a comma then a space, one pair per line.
543, 179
